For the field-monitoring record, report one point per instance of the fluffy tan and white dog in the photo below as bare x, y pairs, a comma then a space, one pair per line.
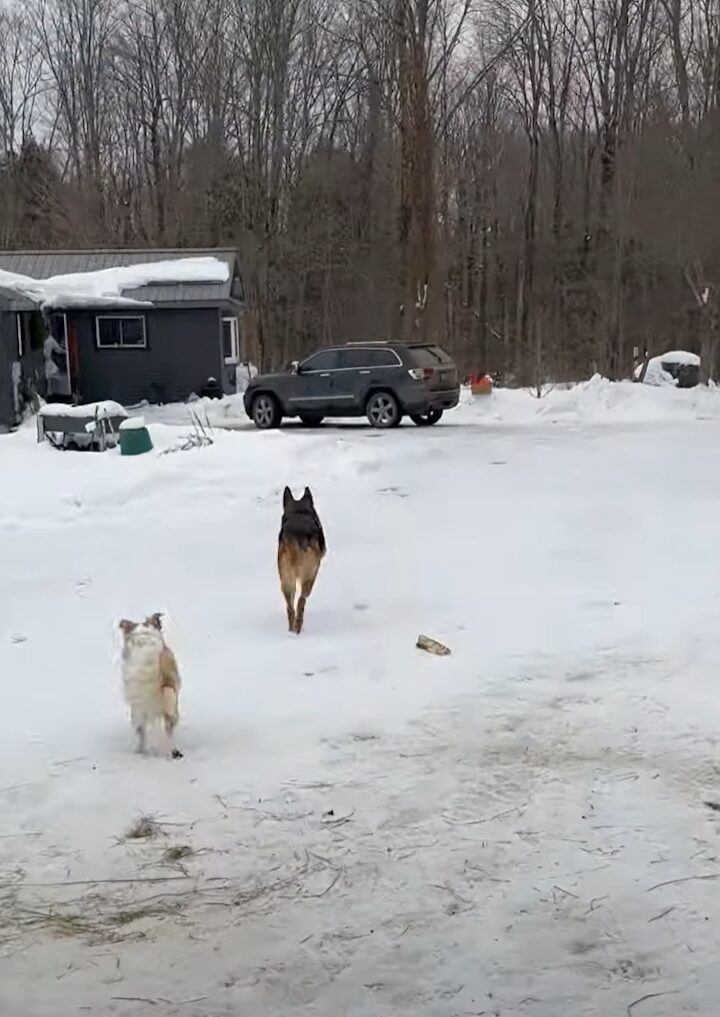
151, 680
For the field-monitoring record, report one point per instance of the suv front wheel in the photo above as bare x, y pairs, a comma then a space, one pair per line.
383, 410
265, 411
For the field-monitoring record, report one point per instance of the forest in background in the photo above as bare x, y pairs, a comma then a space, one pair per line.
535, 184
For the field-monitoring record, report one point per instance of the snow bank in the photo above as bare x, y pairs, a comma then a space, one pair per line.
107, 287
597, 401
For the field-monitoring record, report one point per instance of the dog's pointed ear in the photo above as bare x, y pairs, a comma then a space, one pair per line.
287, 498
155, 620
307, 496
126, 627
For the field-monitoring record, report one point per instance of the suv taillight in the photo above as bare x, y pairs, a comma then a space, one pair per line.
421, 373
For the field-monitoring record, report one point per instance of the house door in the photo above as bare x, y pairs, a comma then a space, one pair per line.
62, 384
8, 414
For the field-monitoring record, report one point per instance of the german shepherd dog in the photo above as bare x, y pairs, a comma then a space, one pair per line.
301, 548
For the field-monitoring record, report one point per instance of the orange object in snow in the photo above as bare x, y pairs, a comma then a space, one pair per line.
481, 384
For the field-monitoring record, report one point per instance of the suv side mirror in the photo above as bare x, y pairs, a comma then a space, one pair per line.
295, 367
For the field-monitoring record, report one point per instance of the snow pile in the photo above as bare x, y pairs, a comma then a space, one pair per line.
657, 374
104, 408
244, 373
227, 412
133, 424
107, 287
597, 401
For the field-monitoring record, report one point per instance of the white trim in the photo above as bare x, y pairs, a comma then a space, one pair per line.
234, 358
120, 346
19, 326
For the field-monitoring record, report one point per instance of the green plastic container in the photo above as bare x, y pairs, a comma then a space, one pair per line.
134, 437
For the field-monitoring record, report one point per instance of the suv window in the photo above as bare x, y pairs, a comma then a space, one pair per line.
369, 358
429, 356
325, 360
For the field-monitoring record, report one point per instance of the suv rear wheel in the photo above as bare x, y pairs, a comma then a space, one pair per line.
311, 419
265, 411
382, 410
426, 419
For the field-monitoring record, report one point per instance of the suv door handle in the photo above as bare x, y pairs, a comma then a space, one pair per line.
326, 374
364, 372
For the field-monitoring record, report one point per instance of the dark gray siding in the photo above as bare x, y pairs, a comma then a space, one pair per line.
184, 349
8, 348
33, 361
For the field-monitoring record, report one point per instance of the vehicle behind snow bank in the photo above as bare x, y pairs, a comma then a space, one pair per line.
677, 368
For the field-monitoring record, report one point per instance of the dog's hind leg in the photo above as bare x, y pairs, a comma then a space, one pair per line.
289, 595
169, 723
305, 591
139, 725
170, 717
288, 585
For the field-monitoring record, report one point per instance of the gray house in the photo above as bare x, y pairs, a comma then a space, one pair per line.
17, 363
165, 345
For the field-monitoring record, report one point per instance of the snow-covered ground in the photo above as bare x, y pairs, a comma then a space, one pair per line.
358, 828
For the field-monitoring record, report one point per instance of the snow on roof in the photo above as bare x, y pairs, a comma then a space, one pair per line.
107, 287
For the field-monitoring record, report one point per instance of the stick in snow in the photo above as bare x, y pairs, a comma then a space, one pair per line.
683, 879
650, 995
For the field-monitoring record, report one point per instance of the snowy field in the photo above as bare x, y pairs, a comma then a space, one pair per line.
357, 828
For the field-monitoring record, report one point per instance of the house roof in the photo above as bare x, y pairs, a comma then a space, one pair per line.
49, 264
10, 300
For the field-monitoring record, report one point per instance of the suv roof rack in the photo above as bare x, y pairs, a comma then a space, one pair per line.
418, 343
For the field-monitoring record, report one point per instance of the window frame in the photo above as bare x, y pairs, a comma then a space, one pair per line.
120, 346
303, 369
234, 359
367, 365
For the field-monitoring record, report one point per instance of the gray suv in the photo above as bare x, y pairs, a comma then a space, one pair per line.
383, 381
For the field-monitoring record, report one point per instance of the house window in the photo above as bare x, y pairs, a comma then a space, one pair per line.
231, 340
115, 332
